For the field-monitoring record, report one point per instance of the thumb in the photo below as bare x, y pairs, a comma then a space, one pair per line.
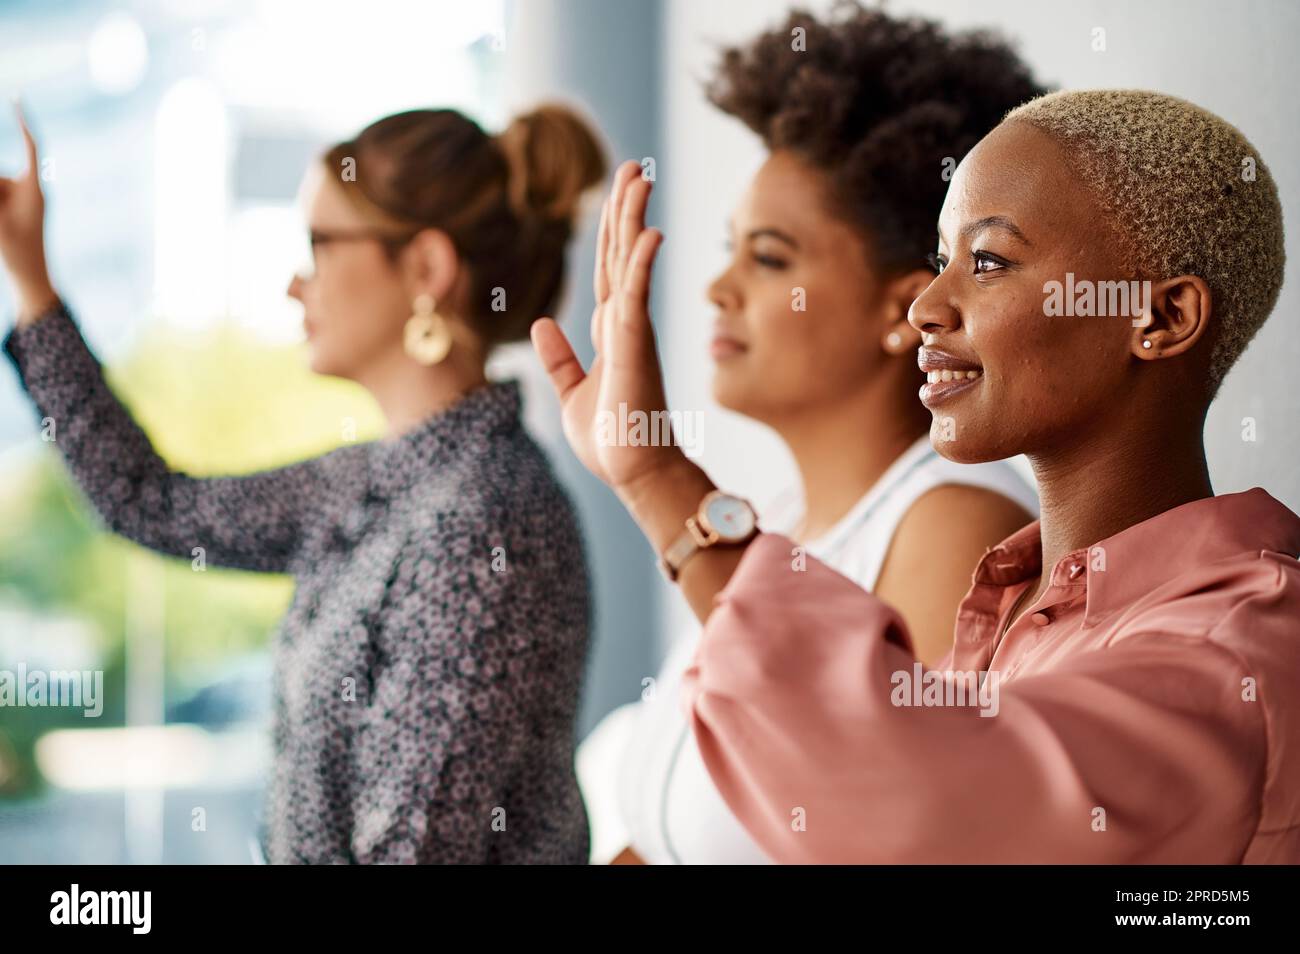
557, 357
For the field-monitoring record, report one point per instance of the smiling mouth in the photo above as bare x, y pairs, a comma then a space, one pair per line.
945, 376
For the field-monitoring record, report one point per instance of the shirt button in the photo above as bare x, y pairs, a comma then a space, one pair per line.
1040, 619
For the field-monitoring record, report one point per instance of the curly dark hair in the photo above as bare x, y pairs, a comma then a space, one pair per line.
878, 104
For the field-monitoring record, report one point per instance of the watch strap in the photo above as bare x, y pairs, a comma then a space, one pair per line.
691, 541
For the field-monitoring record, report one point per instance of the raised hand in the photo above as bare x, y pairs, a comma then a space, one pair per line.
22, 231
626, 375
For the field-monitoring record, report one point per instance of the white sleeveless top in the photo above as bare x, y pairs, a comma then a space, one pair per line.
642, 776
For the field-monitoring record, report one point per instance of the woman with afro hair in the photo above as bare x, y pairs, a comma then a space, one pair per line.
863, 116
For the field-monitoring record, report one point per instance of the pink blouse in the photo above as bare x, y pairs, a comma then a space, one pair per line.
1146, 709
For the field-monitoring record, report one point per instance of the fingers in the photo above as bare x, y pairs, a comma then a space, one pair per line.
636, 288
602, 287
633, 341
631, 223
557, 357
29, 140
600, 276
610, 253
626, 174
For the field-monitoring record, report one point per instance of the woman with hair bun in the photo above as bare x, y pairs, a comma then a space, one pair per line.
427, 674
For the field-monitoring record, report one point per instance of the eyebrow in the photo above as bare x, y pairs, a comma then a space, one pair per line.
772, 233
993, 222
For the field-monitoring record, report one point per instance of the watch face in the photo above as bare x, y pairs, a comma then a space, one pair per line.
730, 517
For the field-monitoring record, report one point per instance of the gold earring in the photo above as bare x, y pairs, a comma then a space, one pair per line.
427, 336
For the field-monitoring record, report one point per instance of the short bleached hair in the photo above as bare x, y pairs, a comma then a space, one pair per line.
1186, 194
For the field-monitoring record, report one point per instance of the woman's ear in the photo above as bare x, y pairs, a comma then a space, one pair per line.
897, 335
1175, 316
430, 264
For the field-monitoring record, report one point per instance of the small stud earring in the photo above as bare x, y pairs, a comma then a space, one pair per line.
1146, 344
894, 339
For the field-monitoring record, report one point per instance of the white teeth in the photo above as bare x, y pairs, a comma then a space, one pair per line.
934, 377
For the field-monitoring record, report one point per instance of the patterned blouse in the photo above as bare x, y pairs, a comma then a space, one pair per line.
428, 671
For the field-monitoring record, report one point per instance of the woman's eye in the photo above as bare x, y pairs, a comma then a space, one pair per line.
768, 261
985, 262
937, 262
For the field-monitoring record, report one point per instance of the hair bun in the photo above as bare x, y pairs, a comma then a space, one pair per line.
554, 157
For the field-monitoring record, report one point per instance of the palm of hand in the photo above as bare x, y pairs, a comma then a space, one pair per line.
625, 376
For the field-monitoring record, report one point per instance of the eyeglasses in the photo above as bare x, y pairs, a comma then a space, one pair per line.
318, 237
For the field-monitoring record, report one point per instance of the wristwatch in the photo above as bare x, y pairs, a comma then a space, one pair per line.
722, 520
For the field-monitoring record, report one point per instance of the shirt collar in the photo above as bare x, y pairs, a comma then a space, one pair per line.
461, 428
1119, 569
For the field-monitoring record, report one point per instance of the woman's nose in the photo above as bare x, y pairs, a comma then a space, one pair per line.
295, 287
721, 292
932, 311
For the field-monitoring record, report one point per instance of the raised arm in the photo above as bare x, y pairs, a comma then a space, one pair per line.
659, 485
251, 522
